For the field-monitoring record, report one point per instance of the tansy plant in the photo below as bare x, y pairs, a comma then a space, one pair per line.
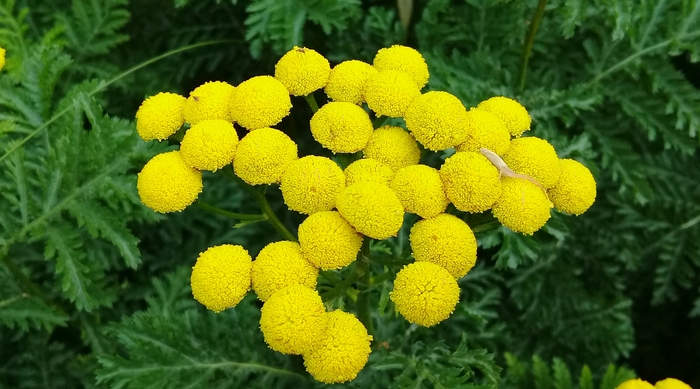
359, 196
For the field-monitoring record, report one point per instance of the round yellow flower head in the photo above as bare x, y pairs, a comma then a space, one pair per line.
302, 71
310, 184
405, 59
343, 352
575, 191
293, 320
635, 384
263, 156
279, 265
486, 130
368, 170
444, 240
471, 182
425, 293
2, 58
389, 93
221, 277
347, 79
438, 120
167, 184
523, 206
209, 145
672, 383
420, 191
512, 113
393, 146
373, 209
342, 127
260, 102
535, 158
209, 101
328, 241
160, 116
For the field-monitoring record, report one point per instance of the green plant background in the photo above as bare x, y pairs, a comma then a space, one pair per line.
94, 287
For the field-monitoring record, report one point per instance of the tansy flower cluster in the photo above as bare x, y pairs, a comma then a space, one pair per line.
668, 383
519, 179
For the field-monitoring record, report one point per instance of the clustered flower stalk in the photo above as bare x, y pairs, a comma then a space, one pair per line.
359, 196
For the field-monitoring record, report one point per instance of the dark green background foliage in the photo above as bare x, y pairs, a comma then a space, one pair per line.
94, 287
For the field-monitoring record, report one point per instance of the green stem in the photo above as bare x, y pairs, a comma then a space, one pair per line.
233, 215
312, 102
529, 41
378, 122
364, 314
486, 226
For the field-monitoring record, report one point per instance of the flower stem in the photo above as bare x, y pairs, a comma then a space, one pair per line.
233, 215
312, 102
529, 41
486, 226
364, 314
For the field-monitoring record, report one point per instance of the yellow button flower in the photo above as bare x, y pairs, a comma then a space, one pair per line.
512, 113
471, 182
209, 101
160, 116
389, 93
311, 184
347, 79
302, 71
405, 59
523, 206
368, 170
535, 158
2, 58
373, 209
167, 184
393, 146
209, 145
425, 293
672, 383
278, 265
575, 191
221, 277
343, 352
294, 320
635, 384
263, 156
444, 240
260, 102
419, 188
328, 241
438, 120
342, 127
486, 130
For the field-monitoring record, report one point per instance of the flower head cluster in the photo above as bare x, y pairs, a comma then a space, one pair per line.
359, 195
668, 383
2, 58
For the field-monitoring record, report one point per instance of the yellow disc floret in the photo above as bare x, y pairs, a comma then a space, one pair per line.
425, 293
221, 277
575, 191
636, 383
405, 59
471, 182
444, 240
2, 58
209, 101
263, 156
535, 158
485, 130
389, 93
393, 146
420, 190
160, 116
209, 145
293, 320
167, 184
512, 113
311, 184
328, 241
343, 352
279, 265
368, 170
302, 71
347, 79
523, 206
672, 383
373, 209
260, 102
438, 120
342, 127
